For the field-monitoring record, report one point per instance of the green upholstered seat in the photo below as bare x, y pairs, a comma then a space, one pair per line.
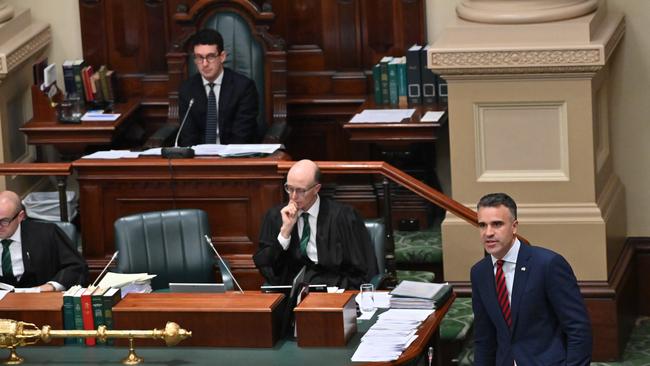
170, 244
419, 247
458, 321
418, 276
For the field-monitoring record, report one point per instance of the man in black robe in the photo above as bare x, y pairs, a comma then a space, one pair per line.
328, 237
34, 253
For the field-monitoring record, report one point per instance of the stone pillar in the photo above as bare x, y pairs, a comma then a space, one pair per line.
528, 116
23, 40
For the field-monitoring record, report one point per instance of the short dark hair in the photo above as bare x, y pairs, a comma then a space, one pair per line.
496, 200
207, 36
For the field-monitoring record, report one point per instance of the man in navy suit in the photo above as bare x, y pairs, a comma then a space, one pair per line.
538, 317
235, 97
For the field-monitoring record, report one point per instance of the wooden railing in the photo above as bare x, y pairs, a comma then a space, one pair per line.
405, 180
60, 171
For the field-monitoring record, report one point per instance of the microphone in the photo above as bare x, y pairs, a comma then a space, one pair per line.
207, 238
177, 152
106, 267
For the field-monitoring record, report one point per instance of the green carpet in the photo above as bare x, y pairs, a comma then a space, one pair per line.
636, 353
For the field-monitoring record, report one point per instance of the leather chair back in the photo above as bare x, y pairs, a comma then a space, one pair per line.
245, 54
377, 232
169, 244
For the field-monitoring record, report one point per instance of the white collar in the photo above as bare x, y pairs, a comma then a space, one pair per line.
217, 81
511, 256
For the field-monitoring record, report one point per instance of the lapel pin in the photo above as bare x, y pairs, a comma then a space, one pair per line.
523, 269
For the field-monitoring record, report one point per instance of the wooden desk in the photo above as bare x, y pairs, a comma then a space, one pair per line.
232, 319
235, 192
408, 131
285, 352
38, 308
73, 138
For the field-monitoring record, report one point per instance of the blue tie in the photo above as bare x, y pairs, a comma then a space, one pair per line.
211, 118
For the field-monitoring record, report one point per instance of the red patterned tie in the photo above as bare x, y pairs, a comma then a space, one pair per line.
502, 292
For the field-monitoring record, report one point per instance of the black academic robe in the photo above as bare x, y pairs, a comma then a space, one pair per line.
237, 111
346, 257
48, 255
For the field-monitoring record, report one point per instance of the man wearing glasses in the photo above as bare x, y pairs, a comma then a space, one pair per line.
328, 237
36, 254
225, 104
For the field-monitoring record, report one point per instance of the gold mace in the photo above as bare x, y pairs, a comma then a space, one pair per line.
18, 334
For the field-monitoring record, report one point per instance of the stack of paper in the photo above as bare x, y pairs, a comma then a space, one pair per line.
419, 295
382, 115
127, 282
393, 332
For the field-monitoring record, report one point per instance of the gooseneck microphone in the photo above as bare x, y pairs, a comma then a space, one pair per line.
106, 267
207, 239
177, 152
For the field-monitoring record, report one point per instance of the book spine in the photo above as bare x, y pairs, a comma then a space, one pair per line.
78, 319
376, 81
78, 79
68, 317
442, 90
413, 76
108, 303
401, 82
68, 79
98, 311
385, 95
87, 316
429, 86
392, 83
103, 80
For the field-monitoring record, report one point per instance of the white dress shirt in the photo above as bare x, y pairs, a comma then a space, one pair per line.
311, 245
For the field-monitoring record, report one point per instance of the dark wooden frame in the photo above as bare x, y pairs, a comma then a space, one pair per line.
275, 69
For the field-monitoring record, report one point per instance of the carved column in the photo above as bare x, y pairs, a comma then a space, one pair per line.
528, 116
22, 41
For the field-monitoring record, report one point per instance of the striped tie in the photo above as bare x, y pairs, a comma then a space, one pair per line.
7, 269
306, 232
211, 118
502, 293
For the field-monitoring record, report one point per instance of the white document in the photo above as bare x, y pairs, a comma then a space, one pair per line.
98, 117
112, 279
27, 290
113, 154
3, 293
432, 116
234, 150
382, 115
381, 299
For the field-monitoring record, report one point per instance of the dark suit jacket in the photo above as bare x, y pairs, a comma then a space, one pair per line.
48, 255
238, 110
346, 257
550, 325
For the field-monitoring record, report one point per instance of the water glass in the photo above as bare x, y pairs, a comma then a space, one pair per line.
367, 298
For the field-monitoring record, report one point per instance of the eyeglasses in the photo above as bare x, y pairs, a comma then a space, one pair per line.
6, 221
297, 191
210, 57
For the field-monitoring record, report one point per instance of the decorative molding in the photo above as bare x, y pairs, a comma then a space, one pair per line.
11, 60
615, 38
517, 61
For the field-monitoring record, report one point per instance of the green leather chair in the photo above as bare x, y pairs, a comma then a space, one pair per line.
377, 232
252, 51
170, 244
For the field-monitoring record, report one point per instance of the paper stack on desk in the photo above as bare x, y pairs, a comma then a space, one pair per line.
419, 295
393, 332
128, 282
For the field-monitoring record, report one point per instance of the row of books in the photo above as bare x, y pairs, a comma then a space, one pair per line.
92, 86
88, 308
408, 80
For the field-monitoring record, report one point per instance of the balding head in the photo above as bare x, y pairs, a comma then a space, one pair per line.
11, 213
304, 176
